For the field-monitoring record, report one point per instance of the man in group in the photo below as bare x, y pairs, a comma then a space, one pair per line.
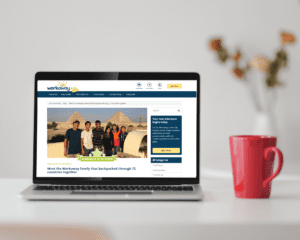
87, 140
73, 136
122, 138
98, 136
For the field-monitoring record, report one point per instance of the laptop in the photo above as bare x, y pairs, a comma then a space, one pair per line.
116, 136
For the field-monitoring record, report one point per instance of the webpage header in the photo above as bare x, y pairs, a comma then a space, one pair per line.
117, 85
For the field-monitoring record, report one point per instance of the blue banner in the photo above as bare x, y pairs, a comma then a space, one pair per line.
141, 94
166, 160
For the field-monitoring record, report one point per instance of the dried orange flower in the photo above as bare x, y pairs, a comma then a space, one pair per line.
260, 63
238, 73
236, 57
215, 44
287, 38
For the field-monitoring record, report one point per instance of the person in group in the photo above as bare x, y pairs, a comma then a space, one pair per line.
73, 136
87, 140
98, 136
116, 132
122, 138
108, 142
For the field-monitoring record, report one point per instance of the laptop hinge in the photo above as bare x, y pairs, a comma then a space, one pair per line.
47, 184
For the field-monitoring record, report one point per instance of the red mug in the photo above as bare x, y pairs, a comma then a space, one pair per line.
252, 158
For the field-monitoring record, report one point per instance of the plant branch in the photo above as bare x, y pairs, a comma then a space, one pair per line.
254, 95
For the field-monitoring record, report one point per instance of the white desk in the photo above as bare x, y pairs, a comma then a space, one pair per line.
219, 216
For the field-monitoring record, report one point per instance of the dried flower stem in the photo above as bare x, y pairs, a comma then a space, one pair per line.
253, 92
259, 63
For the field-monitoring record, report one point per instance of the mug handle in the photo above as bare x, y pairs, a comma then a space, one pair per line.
280, 163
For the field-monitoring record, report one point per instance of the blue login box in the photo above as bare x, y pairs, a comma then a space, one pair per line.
166, 135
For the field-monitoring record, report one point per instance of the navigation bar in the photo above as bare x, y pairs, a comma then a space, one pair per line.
121, 94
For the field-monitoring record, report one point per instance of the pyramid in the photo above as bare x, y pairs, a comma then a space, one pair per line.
119, 118
76, 116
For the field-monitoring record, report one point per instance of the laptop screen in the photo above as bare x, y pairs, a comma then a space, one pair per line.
124, 128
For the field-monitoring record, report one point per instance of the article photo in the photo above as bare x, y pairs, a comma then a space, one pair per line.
120, 132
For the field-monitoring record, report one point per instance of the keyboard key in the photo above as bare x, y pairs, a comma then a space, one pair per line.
188, 188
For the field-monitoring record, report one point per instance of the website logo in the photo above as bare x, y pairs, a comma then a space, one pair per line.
62, 86
74, 89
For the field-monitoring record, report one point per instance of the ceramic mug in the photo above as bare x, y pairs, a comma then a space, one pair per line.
252, 158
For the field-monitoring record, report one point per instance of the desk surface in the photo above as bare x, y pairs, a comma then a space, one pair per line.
278, 216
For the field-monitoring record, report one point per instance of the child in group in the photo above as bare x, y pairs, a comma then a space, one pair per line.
87, 140
108, 142
116, 132
122, 138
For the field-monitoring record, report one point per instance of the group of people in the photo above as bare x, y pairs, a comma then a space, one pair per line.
84, 142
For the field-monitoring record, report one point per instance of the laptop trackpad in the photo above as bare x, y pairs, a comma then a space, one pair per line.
112, 192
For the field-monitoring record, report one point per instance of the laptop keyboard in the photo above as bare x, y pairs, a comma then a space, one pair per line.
113, 188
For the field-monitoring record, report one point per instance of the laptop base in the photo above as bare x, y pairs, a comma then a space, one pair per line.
31, 194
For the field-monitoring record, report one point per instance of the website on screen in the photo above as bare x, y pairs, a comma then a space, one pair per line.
117, 128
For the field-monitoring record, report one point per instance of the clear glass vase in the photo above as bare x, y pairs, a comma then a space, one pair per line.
264, 100
264, 124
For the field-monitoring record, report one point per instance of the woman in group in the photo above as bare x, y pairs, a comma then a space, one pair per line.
116, 132
108, 142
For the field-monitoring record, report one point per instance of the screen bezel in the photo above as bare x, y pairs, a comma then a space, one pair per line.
142, 76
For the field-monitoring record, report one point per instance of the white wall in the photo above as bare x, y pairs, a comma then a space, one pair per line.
146, 36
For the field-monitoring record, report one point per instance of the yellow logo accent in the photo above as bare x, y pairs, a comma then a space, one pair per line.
74, 89
62, 84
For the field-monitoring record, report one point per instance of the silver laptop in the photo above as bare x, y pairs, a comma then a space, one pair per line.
116, 136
